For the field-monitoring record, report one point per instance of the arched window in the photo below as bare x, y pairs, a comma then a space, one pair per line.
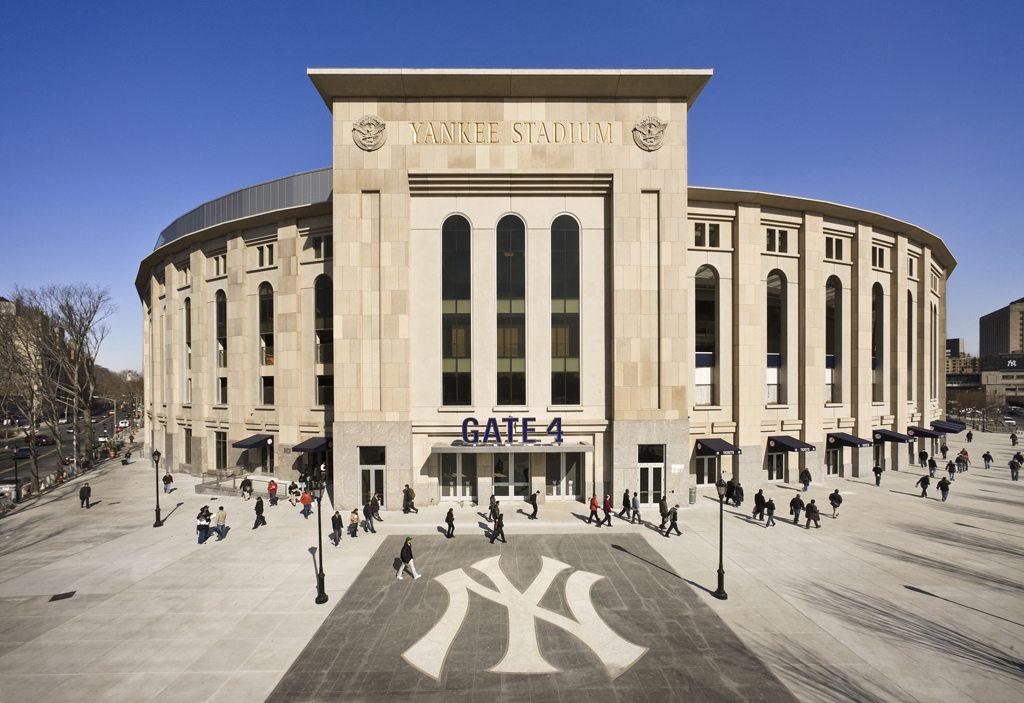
456, 317
565, 311
188, 333
221, 328
775, 362
705, 284
910, 346
934, 352
877, 343
323, 319
511, 294
266, 313
833, 340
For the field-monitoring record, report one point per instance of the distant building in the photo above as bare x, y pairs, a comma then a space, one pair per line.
955, 347
1002, 331
1002, 376
958, 361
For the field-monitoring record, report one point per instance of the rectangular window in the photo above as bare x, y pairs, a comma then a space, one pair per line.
565, 312
839, 249
910, 266
222, 390
221, 445
325, 390
188, 445
372, 456
878, 257
270, 255
699, 239
259, 257
783, 235
318, 247
267, 390
511, 311
456, 317
770, 241
829, 248
713, 235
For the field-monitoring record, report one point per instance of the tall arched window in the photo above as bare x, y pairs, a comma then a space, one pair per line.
511, 294
877, 343
775, 363
705, 284
934, 352
456, 318
833, 340
221, 328
266, 313
565, 311
323, 319
187, 348
910, 346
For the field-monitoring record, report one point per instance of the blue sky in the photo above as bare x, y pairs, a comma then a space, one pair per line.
117, 117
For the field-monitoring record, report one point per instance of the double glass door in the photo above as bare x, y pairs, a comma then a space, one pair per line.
833, 462
775, 464
651, 470
458, 476
564, 476
373, 482
511, 474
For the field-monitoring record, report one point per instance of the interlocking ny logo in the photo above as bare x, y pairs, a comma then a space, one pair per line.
523, 654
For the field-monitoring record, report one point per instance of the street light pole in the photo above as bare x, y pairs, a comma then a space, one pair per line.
156, 467
17, 484
321, 593
720, 593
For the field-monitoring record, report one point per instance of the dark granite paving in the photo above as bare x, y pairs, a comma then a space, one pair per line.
691, 655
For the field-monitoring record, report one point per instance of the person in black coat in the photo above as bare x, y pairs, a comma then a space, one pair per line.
922, 458
258, 508
406, 560
943, 486
673, 521
624, 513
923, 483
878, 474
813, 515
758, 505
498, 529
450, 520
84, 493
337, 525
835, 500
730, 490
932, 466
944, 449
795, 506
532, 500
737, 495
805, 479
770, 509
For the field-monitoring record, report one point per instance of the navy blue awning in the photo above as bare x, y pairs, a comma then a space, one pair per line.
948, 426
313, 444
880, 436
914, 431
841, 439
712, 446
251, 441
785, 443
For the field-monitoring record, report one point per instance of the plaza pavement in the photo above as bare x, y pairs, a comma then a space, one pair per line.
899, 599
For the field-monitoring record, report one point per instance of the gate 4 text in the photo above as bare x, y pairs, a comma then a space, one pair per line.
508, 430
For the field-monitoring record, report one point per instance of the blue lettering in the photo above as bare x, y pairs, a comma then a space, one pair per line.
491, 431
526, 429
510, 429
556, 428
475, 434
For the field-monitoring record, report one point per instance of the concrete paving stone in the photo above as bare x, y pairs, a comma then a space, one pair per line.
224, 655
246, 686
27, 688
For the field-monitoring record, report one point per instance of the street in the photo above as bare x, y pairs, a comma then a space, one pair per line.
48, 455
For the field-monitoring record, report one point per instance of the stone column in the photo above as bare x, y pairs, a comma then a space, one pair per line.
860, 323
748, 342
812, 344
897, 375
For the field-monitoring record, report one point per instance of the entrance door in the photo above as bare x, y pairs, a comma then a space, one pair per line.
707, 470
372, 461
833, 462
373, 482
511, 474
651, 470
879, 454
564, 476
267, 459
775, 463
458, 476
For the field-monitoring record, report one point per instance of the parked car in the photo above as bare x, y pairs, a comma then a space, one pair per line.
122, 423
42, 440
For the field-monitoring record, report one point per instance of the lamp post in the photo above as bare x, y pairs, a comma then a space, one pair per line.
319, 485
156, 467
720, 593
17, 483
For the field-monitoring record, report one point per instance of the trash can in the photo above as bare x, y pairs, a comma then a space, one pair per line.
693, 495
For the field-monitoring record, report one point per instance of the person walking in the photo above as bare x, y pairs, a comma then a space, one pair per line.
203, 524
805, 479
835, 500
594, 507
450, 521
944, 449
607, 508
634, 516
922, 457
1013, 439
758, 505
246, 487
663, 509
407, 561
375, 507
730, 490
258, 509
337, 525
923, 483
932, 466
353, 523
813, 515
498, 529
532, 500
293, 492
492, 509
943, 486
409, 504
737, 495
673, 521
951, 470
271, 491
306, 500
221, 523
84, 494
970, 436
1014, 469
167, 481
878, 474
987, 458
625, 505
795, 506
769, 508
368, 518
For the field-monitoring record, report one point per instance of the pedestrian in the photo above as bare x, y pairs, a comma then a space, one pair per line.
409, 500
730, 490
943, 486
805, 479
943, 448
987, 458
634, 517
1014, 469
663, 509
673, 521
337, 525
607, 508
932, 466
203, 524
970, 436
923, 483
492, 509
450, 520
84, 493
922, 457
353, 523
271, 491
258, 508
407, 561
737, 495
368, 518
246, 488
293, 492
532, 500
1013, 439
758, 505
813, 515
769, 508
221, 523
594, 507
307, 504
625, 505
878, 474
167, 481
795, 506
498, 529
965, 459
951, 470
375, 507
835, 500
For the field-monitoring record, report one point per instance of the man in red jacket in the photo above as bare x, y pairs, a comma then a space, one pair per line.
307, 502
593, 511
607, 508
272, 491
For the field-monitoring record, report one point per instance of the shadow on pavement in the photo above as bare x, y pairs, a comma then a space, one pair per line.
982, 578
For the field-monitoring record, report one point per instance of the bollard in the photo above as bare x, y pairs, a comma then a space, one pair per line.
693, 495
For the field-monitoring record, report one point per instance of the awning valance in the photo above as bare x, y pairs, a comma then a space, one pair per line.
563, 448
713, 446
889, 436
313, 444
915, 431
948, 426
841, 439
256, 440
785, 443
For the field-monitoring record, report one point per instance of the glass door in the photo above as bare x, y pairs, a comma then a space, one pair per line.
833, 462
373, 482
564, 476
651, 470
879, 454
775, 463
458, 476
511, 474
707, 470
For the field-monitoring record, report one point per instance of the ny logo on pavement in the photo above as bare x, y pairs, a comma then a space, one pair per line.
523, 653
